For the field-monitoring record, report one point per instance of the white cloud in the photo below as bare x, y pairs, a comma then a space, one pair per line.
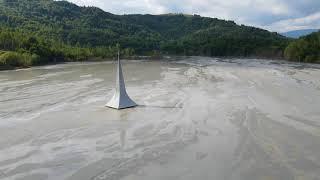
308, 22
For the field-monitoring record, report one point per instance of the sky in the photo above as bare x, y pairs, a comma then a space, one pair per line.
274, 15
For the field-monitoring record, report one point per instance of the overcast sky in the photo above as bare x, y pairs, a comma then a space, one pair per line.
274, 15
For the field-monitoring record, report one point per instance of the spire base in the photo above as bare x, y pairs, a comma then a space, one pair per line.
121, 102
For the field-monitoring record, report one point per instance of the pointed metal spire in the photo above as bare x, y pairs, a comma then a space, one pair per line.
120, 99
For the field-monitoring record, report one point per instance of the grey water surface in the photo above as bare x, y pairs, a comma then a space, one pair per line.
198, 119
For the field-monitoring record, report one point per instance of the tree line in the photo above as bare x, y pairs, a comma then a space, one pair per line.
305, 49
23, 50
38, 32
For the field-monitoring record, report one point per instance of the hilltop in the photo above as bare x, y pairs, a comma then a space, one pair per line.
59, 30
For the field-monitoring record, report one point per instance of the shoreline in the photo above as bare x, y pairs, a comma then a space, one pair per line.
164, 57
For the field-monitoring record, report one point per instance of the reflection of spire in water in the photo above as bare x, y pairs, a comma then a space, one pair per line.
123, 124
123, 134
120, 100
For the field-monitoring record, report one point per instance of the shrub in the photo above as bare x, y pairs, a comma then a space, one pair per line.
10, 59
15, 59
312, 59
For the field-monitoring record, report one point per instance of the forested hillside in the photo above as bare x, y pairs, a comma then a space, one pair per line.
42, 31
305, 49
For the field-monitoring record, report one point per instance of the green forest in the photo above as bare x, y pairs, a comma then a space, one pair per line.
36, 32
305, 49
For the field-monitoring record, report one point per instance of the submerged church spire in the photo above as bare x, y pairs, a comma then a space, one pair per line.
120, 99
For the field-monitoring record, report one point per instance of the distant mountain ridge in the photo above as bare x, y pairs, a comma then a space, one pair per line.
299, 33
60, 29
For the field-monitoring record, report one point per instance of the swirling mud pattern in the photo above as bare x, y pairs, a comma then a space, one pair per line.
198, 118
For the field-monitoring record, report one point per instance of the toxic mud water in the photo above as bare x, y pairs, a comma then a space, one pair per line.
199, 118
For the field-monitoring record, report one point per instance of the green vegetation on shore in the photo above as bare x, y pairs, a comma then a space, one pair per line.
36, 32
305, 49
20, 49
